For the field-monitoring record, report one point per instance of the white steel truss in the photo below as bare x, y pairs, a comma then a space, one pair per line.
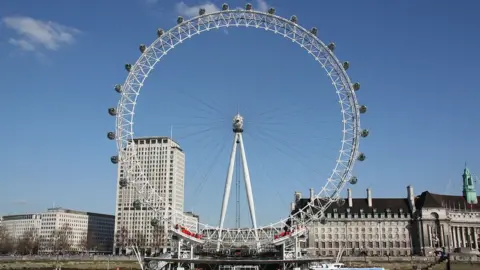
307, 40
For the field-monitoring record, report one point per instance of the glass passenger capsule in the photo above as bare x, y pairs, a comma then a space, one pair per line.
118, 88
111, 135
142, 48
112, 111
356, 86
364, 133
293, 19
201, 11
361, 157
114, 159
323, 220
331, 46
346, 65
314, 31
271, 11
137, 205
154, 222
123, 182
225, 6
160, 32
362, 109
128, 67
353, 180
248, 6
179, 20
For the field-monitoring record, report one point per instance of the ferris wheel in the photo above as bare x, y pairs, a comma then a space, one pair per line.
216, 235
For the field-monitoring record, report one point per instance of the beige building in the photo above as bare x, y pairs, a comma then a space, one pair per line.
19, 225
191, 222
83, 230
362, 226
163, 162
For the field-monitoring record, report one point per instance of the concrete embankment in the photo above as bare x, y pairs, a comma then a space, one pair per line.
69, 262
129, 263
69, 265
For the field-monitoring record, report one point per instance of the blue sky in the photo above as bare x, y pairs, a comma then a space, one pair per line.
417, 62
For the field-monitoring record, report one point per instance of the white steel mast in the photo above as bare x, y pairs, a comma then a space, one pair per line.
238, 140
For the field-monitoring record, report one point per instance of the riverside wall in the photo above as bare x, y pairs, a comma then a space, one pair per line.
459, 262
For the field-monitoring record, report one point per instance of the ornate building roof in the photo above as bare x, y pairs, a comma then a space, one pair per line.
379, 204
432, 200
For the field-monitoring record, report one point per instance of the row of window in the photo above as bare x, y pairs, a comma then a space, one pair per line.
406, 252
361, 229
361, 245
365, 215
368, 223
361, 236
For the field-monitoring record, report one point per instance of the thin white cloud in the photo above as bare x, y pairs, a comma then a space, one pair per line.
192, 11
20, 202
32, 34
23, 44
262, 6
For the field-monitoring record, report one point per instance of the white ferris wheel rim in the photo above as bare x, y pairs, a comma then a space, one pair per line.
152, 54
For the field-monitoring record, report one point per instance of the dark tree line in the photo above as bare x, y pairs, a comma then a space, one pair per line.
59, 241
27, 244
125, 239
6, 241
31, 242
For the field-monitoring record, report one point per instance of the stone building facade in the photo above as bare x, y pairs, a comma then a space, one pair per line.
447, 222
413, 225
363, 226
444, 221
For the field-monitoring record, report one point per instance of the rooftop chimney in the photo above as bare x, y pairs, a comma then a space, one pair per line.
292, 206
298, 196
411, 198
369, 197
312, 194
350, 200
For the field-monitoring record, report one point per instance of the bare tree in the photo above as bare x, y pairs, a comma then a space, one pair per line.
92, 242
140, 240
89, 242
158, 238
29, 242
60, 239
122, 238
84, 244
6, 241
